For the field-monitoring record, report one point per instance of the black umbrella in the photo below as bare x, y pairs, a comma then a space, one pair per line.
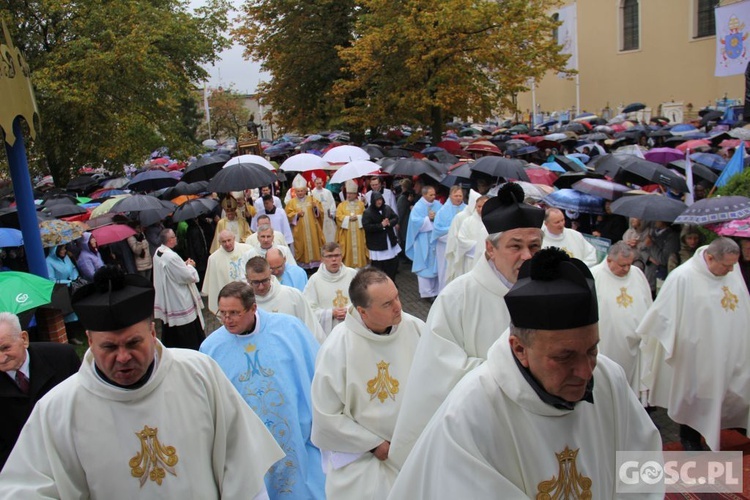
443, 157
408, 166
374, 151
648, 207
567, 179
82, 183
64, 210
575, 127
183, 188
60, 200
568, 164
497, 166
398, 153
662, 132
141, 202
711, 116
633, 107
241, 176
630, 168
194, 208
9, 217
151, 180
204, 168
699, 170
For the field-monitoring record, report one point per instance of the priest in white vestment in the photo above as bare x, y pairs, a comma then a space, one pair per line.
325, 197
545, 416
569, 240
225, 265
276, 218
327, 291
266, 241
267, 191
356, 391
138, 420
469, 242
624, 298
697, 345
469, 314
451, 245
272, 296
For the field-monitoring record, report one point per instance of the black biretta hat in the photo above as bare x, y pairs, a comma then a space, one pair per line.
553, 292
508, 211
114, 300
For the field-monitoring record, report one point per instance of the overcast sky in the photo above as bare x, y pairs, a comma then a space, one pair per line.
232, 69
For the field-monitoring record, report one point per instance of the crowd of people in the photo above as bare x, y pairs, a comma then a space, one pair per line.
318, 385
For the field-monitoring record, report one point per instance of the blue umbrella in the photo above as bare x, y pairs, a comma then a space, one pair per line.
553, 166
710, 160
570, 199
10, 237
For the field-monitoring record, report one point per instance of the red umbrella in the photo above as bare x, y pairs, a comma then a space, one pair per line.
739, 228
483, 146
450, 146
695, 145
541, 176
111, 234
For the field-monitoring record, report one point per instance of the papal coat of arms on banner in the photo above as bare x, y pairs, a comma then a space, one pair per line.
733, 43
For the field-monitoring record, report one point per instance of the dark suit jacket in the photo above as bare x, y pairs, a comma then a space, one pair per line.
49, 364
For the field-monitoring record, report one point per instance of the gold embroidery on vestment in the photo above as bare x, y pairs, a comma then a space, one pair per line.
624, 300
339, 300
729, 301
569, 484
383, 385
154, 459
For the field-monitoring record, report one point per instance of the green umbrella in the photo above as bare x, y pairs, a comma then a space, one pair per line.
23, 291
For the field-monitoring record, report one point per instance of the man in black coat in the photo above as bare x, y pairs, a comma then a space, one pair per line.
379, 222
29, 371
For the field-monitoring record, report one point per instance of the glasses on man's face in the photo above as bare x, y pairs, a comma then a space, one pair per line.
333, 256
225, 315
260, 282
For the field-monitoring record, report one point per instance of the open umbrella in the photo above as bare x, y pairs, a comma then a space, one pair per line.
567, 179
629, 168
699, 170
648, 207
694, 145
23, 291
64, 210
10, 237
633, 107
570, 164
194, 208
738, 228
241, 176
345, 154
570, 199
539, 175
258, 160
141, 202
111, 234
81, 183
151, 180
57, 232
115, 183
498, 166
715, 210
204, 168
601, 187
710, 160
304, 162
408, 166
663, 156
354, 170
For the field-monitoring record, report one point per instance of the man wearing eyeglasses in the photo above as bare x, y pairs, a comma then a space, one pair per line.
266, 241
274, 297
327, 291
270, 360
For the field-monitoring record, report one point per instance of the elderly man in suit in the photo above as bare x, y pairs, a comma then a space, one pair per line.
30, 371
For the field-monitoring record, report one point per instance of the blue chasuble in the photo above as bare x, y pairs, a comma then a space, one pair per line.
419, 247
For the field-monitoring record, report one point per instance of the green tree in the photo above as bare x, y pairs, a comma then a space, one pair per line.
228, 115
297, 41
420, 61
115, 79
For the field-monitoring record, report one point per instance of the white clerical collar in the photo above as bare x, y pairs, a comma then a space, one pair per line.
499, 275
255, 329
23, 369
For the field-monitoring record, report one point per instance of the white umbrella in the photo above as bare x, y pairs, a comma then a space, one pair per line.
354, 170
631, 149
346, 154
304, 162
258, 160
556, 137
740, 133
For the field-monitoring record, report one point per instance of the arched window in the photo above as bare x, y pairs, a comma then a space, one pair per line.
556, 30
705, 22
630, 25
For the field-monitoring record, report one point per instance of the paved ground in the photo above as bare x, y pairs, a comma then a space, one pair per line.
413, 304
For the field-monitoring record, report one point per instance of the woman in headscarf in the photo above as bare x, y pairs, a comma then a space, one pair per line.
89, 259
636, 236
379, 222
690, 240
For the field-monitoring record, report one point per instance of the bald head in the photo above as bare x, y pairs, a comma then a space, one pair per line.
276, 261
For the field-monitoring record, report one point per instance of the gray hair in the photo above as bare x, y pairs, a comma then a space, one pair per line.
12, 321
525, 335
264, 227
620, 249
721, 247
164, 235
426, 189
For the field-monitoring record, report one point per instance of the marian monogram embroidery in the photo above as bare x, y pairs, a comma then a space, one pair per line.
624, 300
729, 301
339, 300
154, 460
383, 385
254, 367
569, 484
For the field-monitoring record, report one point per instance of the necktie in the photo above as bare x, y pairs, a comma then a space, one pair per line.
22, 381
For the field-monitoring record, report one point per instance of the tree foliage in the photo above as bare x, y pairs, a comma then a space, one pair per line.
228, 115
416, 61
115, 78
296, 41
